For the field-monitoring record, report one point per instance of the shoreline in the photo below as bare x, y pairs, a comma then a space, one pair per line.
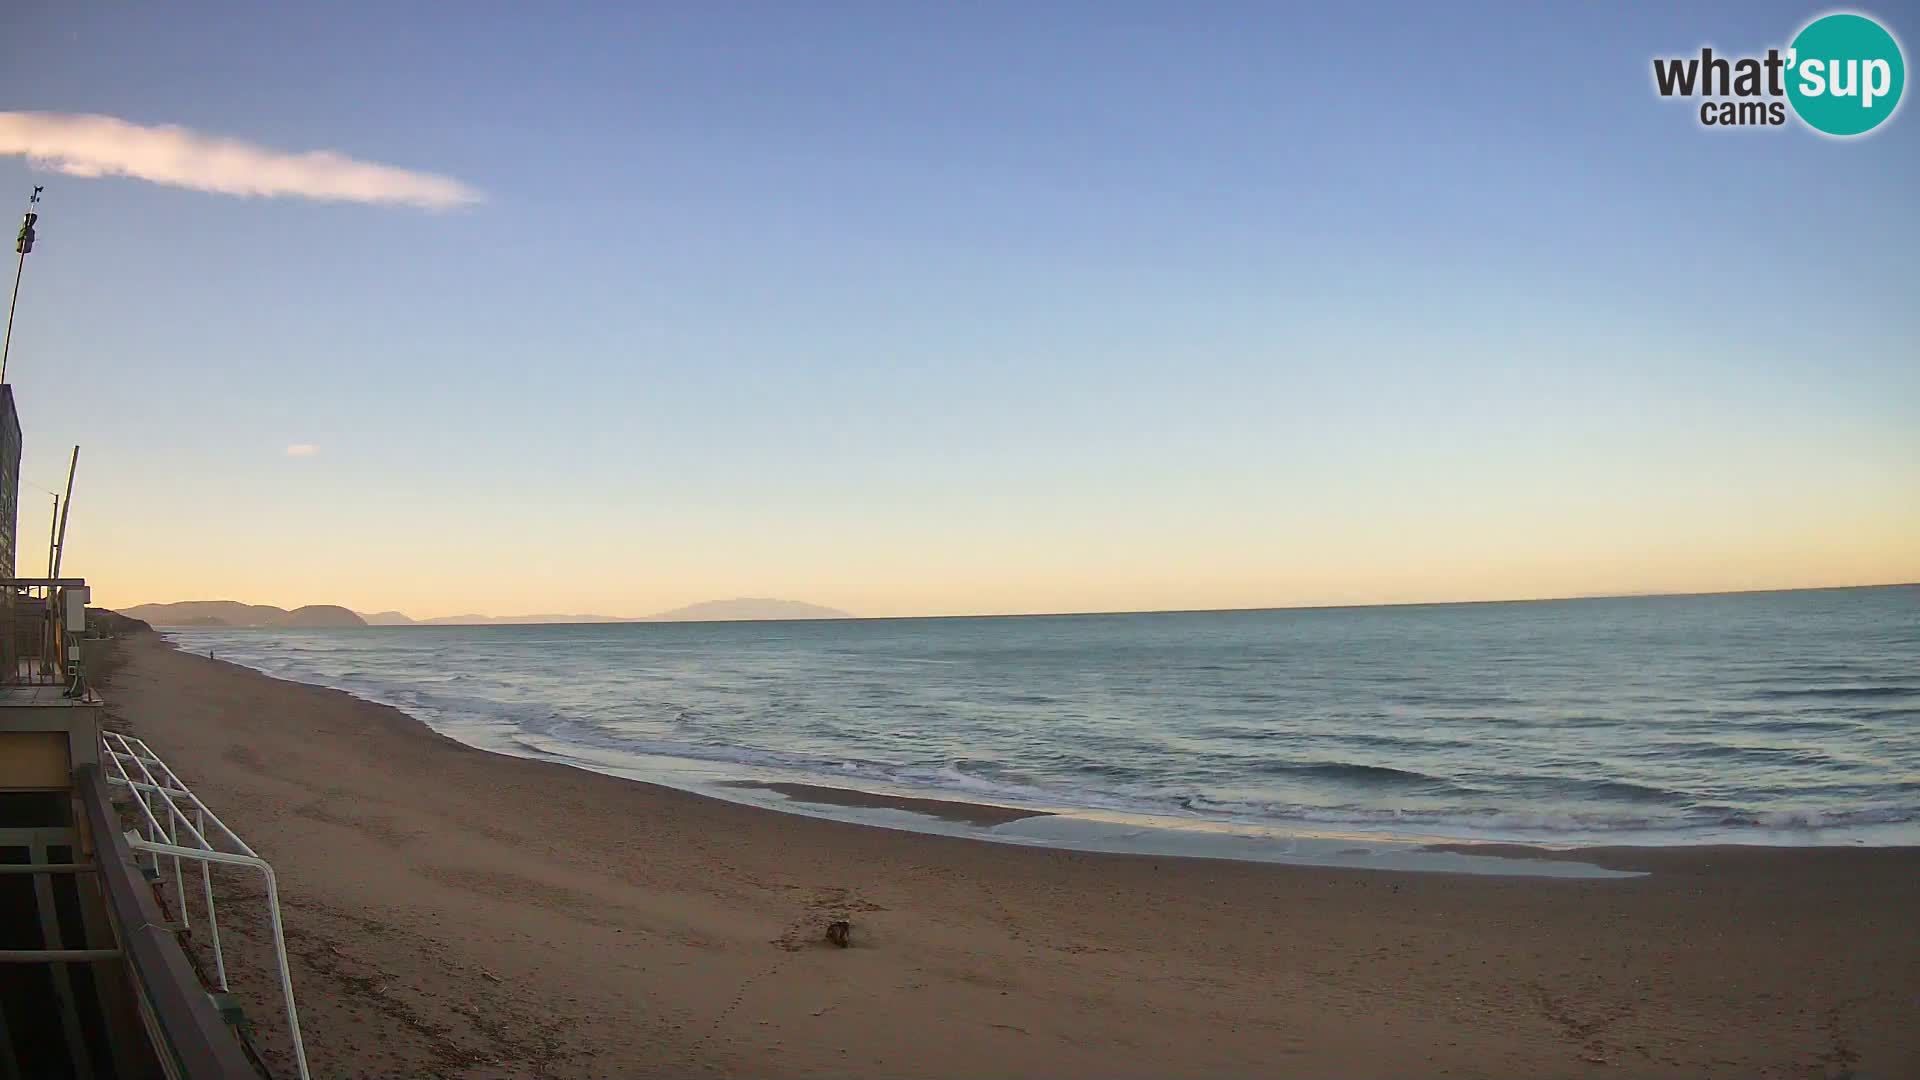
965, 813
457, 912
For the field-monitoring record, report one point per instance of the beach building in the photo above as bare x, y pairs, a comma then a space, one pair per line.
100, 848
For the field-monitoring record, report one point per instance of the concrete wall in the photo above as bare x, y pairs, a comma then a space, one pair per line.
9, 480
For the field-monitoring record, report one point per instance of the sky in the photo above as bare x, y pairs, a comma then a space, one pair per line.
939, 309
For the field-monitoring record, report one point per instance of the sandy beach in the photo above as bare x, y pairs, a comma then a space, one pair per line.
463, 914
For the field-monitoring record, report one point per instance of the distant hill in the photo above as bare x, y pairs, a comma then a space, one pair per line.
319, 615
748, 609
234, 613
205, 613
102, 622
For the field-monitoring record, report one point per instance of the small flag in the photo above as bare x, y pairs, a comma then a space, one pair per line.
24, 242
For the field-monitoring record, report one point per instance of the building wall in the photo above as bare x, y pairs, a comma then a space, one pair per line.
9, 479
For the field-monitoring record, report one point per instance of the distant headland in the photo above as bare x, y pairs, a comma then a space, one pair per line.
232, 613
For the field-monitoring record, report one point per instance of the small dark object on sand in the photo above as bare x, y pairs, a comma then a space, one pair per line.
840, 933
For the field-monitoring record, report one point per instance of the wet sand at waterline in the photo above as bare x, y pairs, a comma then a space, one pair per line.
945, 809
457, 913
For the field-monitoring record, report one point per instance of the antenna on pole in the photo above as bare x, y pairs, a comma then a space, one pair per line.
22, 243
66, 507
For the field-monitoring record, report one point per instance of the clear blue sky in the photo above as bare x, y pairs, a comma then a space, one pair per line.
936, 308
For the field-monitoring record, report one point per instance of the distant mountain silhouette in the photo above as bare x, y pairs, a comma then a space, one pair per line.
319, 615
748, 609
204, 613
234, 613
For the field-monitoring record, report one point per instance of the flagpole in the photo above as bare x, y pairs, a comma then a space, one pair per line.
23, 245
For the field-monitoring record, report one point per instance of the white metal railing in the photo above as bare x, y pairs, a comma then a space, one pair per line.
176, 822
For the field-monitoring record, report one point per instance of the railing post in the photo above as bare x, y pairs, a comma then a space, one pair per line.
213, 921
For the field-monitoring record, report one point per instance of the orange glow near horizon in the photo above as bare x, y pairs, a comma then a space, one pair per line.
988, 569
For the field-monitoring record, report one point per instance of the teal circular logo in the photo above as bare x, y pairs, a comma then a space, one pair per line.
1845, 74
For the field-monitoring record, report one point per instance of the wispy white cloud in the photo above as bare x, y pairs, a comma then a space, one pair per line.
302, 449
91, 145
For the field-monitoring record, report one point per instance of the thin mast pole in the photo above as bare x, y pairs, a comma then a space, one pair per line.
53, 526
19, 269
66, 507
7, 350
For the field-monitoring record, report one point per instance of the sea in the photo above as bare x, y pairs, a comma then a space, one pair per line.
1765, 718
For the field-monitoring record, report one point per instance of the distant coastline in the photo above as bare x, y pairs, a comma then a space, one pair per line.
234, 614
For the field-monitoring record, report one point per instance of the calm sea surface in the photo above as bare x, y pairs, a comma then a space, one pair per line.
1777, 717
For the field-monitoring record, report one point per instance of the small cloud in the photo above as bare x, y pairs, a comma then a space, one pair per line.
93, 145
302, 449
